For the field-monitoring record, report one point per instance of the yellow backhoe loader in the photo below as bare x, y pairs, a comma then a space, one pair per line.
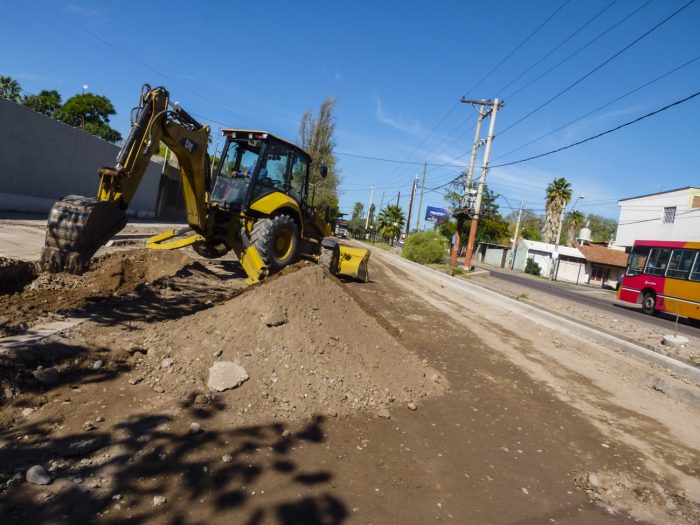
258, 203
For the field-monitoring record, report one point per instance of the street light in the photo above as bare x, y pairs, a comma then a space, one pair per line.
85, 86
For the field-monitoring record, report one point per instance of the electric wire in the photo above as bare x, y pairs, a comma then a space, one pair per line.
598, 67
621, 97
606, 132
558, 46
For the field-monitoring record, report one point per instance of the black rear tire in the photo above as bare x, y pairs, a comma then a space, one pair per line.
649, 303
277, 241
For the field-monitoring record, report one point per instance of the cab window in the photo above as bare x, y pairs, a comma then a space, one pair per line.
273, 169
298, 179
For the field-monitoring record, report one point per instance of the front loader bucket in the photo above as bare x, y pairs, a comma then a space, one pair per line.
352, 262
76, 229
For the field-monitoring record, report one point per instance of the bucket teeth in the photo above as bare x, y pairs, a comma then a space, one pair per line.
76, 229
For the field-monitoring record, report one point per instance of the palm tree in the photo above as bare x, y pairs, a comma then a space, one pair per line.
575, 220
390, 222
558, 195
10, 89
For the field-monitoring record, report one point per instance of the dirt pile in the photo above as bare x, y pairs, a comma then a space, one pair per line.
117, 273
14, 275
305, 343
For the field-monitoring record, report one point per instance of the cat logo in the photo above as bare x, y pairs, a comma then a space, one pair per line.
188, 145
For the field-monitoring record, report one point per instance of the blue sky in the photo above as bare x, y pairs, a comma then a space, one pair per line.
398, 68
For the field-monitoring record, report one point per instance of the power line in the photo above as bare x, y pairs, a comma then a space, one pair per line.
570, 56
629, 123
521, 44
135, 58
396, 161
602, 107
560, 44
598, 67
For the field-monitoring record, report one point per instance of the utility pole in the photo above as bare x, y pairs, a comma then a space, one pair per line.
515, 236
398, 198
369, 206
482, 181
420, 202
470, 174
410, 206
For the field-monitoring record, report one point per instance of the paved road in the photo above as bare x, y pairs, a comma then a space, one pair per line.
592, 298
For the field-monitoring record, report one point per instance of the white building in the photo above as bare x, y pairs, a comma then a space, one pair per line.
567, 264
672, 215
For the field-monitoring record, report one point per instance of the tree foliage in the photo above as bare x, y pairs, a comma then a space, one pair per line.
425, 247
603, 229
390, 223
46, 102
356, 224
90, 112
492, 227
532, 267
573, 222
316, 136
557, 196
531, 225
10, 89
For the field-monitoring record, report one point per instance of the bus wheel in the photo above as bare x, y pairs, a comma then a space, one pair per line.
649, 303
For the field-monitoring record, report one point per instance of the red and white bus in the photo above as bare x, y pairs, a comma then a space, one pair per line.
663, 276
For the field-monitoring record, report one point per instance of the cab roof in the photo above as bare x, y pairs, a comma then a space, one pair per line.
267, 134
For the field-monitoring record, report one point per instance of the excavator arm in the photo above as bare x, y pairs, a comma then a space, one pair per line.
78, 226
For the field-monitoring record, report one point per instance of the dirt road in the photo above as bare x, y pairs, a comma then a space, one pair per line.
512, 423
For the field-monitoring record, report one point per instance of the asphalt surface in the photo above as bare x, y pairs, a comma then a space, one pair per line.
593, 298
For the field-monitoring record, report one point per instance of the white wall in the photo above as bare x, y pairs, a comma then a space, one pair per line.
641, 218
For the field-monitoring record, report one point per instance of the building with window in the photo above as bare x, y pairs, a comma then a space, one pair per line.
672, 215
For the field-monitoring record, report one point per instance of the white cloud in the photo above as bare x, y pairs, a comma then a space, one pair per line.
396, 122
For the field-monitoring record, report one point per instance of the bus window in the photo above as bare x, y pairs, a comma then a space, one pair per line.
658, 261
695, 274
638, 260
680, 264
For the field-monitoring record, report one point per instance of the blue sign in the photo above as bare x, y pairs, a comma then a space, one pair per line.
436, 214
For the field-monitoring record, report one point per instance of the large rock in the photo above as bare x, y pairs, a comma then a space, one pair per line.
225, 375
38, 475
48, 376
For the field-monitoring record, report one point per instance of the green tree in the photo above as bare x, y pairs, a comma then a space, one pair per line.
316, 136
492, 226
356, 224
91, 113
46, 102
573, 222
557, 196
390, 223
531, 226
10, 89
603, 229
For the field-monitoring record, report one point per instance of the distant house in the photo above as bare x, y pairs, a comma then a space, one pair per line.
489, 253
568, 263
672, 215
604, 266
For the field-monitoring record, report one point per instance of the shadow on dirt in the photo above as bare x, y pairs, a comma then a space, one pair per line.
113, 474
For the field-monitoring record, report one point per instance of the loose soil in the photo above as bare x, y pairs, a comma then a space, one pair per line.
508, 424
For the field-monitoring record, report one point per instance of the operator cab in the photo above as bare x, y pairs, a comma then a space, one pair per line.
256, 163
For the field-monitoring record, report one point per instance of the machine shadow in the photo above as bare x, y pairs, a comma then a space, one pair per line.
113, 475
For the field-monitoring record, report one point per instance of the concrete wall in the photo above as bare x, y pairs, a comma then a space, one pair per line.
494, 256
42, 160
641, 218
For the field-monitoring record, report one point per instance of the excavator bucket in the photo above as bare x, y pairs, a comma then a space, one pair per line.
352, 262
341, 259
76, 229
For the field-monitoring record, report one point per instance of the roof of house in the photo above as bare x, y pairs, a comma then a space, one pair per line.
597, 254
549, 248
659, 193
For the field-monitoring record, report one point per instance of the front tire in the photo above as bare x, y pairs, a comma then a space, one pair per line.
277, 241
649, 303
